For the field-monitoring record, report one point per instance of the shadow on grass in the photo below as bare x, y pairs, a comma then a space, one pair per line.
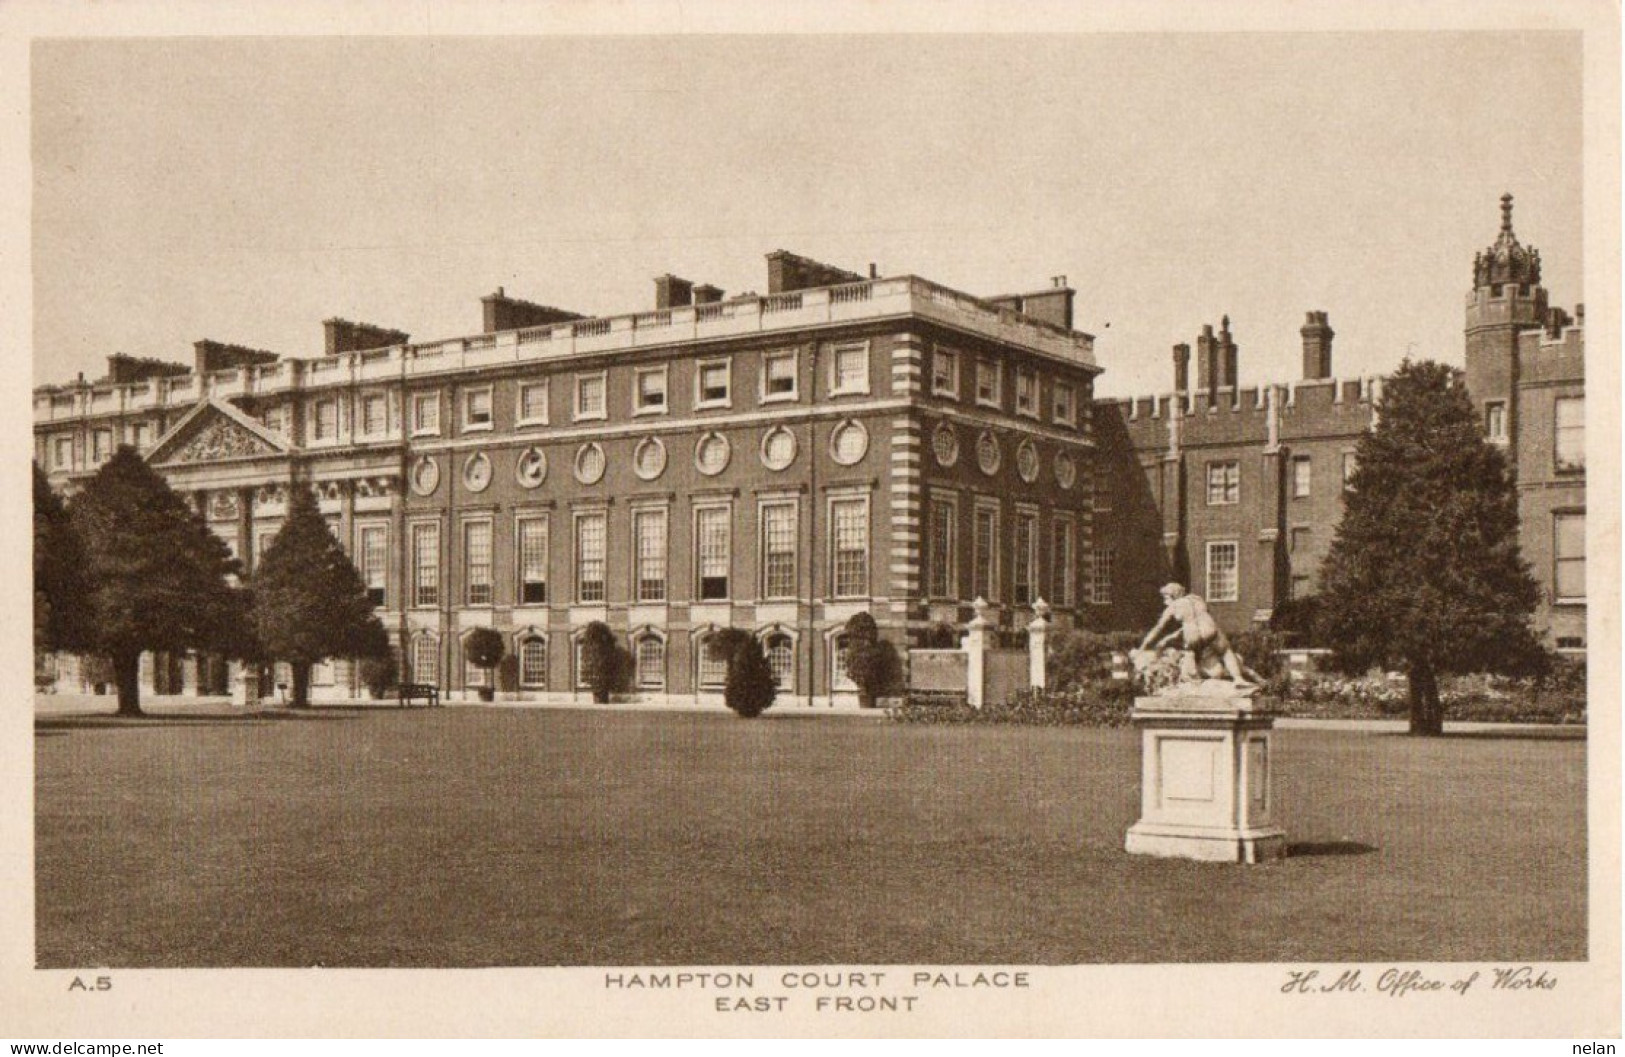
1329, 847
1554, 733
46, 725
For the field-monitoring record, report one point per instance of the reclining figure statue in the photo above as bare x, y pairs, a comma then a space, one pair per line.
1203, 662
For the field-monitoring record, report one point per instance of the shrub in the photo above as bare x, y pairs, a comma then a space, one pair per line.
750, 684
940, 636
603, 662
378, 674
1078, 659
1260, 649
1100, 704
871, 662
485, 649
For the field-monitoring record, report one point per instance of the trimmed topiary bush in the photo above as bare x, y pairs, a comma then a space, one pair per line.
485, 649
750, 685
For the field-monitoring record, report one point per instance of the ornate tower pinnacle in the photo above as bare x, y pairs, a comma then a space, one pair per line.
1507, 260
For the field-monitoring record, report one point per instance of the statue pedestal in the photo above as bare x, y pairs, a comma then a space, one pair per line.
1205, 780
245, 684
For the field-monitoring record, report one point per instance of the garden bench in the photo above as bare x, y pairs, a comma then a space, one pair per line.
428, 693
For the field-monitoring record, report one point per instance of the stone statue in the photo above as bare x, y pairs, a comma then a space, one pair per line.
1203, 662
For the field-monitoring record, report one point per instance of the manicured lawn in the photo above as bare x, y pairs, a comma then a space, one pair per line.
471, 837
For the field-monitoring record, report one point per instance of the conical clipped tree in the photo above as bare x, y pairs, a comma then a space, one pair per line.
309, 601
750, 685
1424, 574
62, 618
157, 575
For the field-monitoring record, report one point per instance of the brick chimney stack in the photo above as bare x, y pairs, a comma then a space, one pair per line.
1317, 347
344, 336
1182, 367
706, 294
1207, 359
672, 292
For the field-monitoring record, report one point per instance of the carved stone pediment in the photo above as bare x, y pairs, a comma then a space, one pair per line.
213, 431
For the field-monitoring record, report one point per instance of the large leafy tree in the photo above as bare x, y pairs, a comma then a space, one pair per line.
62, 619
157, 575
1424, 574
309, 601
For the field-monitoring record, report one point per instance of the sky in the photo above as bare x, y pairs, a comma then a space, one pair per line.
246, 189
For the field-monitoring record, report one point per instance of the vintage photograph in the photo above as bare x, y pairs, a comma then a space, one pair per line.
727, 516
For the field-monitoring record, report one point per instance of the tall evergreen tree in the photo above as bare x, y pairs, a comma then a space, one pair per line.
1425, 573
61, 593
310, 603
157, 574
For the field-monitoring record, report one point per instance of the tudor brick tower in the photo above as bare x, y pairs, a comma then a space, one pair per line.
1506, 299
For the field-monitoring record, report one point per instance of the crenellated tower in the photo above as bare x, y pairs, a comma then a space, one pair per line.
1507, 298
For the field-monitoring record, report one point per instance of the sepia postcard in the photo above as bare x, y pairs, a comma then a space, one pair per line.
692, 519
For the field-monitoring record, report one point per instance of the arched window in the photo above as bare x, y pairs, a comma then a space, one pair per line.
712, 669
781, 657
533, 663
650, 651
426, 660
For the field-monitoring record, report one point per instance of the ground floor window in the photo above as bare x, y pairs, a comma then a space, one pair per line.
1221, 572
1569, 547
839, 680
533, 663
712, 669
426, 660
651, 662
781, 658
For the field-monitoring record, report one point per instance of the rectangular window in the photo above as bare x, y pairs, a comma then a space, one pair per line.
1351, 462
477, 562
591, 399
1223, 483
274, 418
985, 575
374, 548
62, 453
1302, 476
1221, 572
326, 420
650, 391
649, 543
101, 446
141, 435
849, 368
778, 550
590, 532
1102, 499
1495, 421
374, 414
712, 384
477, 408
1101, 569
1025, 564
850, 573
944, 515
533, 398
711, 538
1062, 571
532, 548
944, 372
425, 413
1569, 414
1066, 408
1026, 393
426, 564
779, 375
988, 383
1569, 548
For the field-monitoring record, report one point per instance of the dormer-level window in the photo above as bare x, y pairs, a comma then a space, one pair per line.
425, 414
1026, 393
779, 375
1066, 408
650, 391
944, 372
477, 408
533, 403
374, 414
712, 384
849, 368
591, 396
1569, 417
1495, 421
325, 421
988, 383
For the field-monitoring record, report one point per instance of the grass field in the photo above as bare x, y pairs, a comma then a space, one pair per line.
473, 837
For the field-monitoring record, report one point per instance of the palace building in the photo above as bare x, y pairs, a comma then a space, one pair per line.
775, 463
779, 462
1238, 490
